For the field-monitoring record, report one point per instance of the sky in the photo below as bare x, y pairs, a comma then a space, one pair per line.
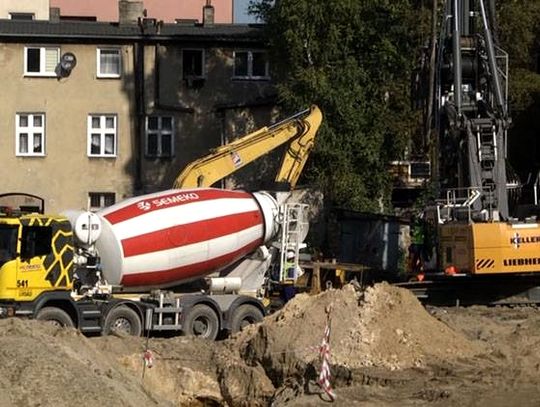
240, 12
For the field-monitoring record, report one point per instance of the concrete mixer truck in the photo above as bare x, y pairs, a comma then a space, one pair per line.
119, 268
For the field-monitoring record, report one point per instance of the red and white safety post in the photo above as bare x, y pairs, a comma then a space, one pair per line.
148, 358
324, 353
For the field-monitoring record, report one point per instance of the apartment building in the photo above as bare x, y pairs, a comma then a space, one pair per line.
95, 112
25, 9
168, 11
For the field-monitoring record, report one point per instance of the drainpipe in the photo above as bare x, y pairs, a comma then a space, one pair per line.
138, 74
130, 13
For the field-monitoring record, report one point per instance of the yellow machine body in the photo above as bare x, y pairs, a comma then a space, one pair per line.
37, 256
490, 248
299, 131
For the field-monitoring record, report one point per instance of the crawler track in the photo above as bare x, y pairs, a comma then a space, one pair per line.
475, 290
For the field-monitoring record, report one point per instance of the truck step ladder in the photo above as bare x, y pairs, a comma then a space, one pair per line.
156, 320
293, 232
90, 318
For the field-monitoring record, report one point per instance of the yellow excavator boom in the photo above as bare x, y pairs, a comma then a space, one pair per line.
299, 129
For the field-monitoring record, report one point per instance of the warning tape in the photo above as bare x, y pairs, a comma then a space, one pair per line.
324, 353
148, 358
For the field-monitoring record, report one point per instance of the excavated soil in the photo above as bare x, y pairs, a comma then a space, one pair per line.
386, 350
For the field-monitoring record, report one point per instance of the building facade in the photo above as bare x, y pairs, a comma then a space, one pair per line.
24, 9
168, 11
94, 112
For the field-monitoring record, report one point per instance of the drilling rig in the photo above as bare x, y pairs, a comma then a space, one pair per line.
471, 118
479, 245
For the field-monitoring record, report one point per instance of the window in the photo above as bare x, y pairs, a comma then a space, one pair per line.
8, 243
420, 170
21, 16
41, 61
30, 134
102, 135
251, 65
159, 136
193, 63
36, 241
98, 200
108, 63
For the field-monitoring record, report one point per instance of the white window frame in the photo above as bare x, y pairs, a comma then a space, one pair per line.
99, 74
102, 131
250, 65
102, 197
42, 50
30, 130
203, 64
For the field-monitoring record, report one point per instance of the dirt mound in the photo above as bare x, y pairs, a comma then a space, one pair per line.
191, 371
387, 328
382, 328
43, 365
397, 332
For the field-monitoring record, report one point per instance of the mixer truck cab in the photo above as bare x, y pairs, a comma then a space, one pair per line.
36, 256
36, 268
119, 268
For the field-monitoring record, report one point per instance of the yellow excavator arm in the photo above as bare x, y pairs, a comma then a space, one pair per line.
299, 130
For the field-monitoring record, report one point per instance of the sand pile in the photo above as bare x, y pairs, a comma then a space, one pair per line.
43, 365
384, 327
191, 371
387, 328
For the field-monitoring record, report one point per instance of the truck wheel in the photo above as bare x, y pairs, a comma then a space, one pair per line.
201, 321
55, 316
122, 320
245, 315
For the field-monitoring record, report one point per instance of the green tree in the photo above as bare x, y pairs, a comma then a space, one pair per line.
354, 59
519, 33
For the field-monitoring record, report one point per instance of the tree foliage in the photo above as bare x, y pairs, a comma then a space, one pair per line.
519, 33
354, 59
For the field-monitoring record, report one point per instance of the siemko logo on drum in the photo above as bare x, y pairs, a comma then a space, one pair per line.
169, 200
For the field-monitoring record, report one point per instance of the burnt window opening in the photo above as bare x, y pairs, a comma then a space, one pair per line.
192, 63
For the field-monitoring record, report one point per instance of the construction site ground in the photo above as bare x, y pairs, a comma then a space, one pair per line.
386, 350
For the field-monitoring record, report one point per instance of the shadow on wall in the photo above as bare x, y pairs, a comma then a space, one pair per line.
206, 113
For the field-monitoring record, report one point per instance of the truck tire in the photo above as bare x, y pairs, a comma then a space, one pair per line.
201, 321
122, 320
55, 316
245, 315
